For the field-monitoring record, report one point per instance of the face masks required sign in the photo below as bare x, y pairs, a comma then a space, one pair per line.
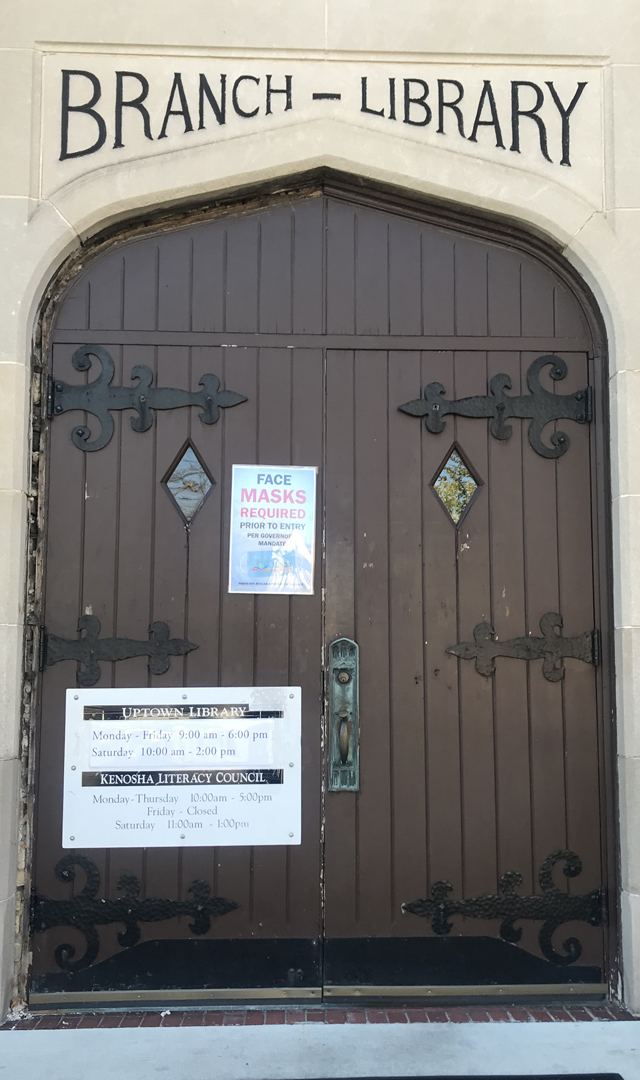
201, 767
273, 527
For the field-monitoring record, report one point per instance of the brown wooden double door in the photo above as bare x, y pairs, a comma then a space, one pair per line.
464, 777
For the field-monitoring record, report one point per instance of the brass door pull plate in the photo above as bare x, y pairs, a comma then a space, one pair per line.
344, 774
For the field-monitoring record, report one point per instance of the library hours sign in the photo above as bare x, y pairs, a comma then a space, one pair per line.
213, 767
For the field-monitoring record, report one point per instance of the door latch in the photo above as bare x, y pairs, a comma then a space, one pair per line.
344, 773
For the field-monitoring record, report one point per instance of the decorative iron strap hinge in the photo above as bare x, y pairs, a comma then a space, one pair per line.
553, 906
540, 406
49, 396
88, 650
42, 647
595, 648
100, 398
552, 648
85, 910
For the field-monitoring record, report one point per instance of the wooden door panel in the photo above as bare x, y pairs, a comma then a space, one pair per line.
463, 778
136, 562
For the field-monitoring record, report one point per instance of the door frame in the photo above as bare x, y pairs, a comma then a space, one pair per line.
473, 223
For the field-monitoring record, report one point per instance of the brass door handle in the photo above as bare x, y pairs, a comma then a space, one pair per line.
343, 736
343, 686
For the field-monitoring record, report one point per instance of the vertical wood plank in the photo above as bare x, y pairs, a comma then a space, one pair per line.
504, 491
341, 851
207, 305
306, 649
308, 266
470, 287
62, 607
175, 275
140, 286
132, 600
204, 585
241, 275
99, 558
168, 572
443, 774
276, 241
372, 273
74, 313
477, 731
537, 300
105, 281
568, 318
405, 277
409, 877
272, 622
438, 288
205, 531
503, 292
576, 574
340, 268
237, 624
545, 698
372, 635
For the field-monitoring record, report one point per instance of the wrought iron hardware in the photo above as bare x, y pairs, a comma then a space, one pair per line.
551, 647
540, 406
42, 647
344, 774
49, 396
596, 647
552, 906
85, 911
88, 650
101, 399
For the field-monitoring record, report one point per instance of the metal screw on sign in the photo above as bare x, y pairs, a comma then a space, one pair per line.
540, 406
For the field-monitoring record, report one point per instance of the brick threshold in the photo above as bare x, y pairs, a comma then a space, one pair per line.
254, 1017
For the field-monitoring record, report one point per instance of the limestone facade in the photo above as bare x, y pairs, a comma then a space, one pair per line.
426, 104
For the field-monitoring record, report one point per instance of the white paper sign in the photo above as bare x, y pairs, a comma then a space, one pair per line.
201, 767
273, 529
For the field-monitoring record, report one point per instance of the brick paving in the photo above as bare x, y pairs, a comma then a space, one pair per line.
459, 1014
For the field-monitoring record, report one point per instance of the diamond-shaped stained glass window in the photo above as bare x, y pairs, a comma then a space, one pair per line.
189, 482
455, 486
